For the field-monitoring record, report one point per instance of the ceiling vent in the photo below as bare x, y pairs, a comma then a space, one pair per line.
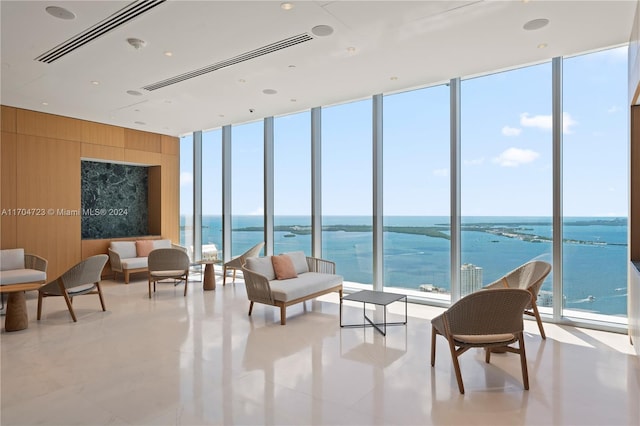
265, 50
119, 18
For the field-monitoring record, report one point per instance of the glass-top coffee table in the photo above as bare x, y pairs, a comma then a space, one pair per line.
379, 298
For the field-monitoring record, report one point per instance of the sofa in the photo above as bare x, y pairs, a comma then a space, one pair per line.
19, 272
288, 279
128, 257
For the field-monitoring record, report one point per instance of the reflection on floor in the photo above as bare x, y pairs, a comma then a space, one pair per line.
201, 360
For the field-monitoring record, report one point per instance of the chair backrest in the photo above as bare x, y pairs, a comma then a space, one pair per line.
88, 271
168, 259
252, 252
488, 312
529, 276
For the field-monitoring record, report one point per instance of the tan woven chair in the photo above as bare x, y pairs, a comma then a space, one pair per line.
168, 263
484, 319
529, 276
83, 278
237, 263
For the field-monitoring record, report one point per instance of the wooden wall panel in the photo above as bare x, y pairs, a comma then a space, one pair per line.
171, 197
8, 189
49, 126
102, 134
155, 200
170, 145
101, 152
142, 157
49, 181
8, 120
142, 141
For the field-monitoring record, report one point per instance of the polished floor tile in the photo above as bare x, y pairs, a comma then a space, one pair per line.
201, 360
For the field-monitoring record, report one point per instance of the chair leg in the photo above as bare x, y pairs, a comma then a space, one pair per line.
154, 285
126, 276
234, 276
39, 305
487, 355
456, 366
100, 296
224, 276
186, 280
250, 308
283, 315
523, 362
68, 300
433, 345
534, 305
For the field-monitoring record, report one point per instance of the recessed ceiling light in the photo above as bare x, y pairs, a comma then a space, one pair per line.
142, 123
60, 12
535, 24
293, 100
351, 50
394, 78
542, 45
136, 43
167, 53
242, 80
134, 93
95, 82
322, 30
45, 103
292, 66
269, 91
286, 6
221, 115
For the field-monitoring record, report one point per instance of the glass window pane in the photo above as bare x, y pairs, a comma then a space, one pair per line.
186, 191
292, 183
416, 191
347, 237
212, 194
506, 175
595, 185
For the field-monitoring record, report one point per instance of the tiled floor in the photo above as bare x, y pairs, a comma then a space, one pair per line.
201, 360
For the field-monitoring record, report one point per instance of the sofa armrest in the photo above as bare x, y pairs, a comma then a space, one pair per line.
258, 288
114, 260
321, 265
33, 261
178, 246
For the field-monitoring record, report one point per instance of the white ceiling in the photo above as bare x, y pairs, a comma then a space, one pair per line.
398, 45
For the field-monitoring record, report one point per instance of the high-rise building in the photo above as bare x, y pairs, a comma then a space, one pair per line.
470, 278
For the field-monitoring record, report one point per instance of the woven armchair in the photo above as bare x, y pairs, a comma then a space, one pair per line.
83, 278
484, 319
168, 263
530, 277
237, 263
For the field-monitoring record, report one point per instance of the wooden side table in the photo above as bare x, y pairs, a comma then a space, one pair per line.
16, 317
209, 281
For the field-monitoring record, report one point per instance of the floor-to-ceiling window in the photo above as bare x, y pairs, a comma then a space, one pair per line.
416, 191
347, 237
506, 174
212, 194
595, 184
186, 192
247, 186
292, 183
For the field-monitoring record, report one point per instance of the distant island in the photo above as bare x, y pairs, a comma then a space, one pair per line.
508, 230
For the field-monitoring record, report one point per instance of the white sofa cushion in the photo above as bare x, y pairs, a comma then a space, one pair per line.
126, 249
11, 259
306, 284
16, 276
134, 263
161, 244
262, 266
299, 260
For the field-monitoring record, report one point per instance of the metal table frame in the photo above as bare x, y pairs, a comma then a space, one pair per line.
375, 298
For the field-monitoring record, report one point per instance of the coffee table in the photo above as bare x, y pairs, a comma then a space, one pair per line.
379, 298
209, 281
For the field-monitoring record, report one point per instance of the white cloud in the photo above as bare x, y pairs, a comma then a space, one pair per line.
545, 122
441, 172
474, 162
186, 178
511, 131
513, 157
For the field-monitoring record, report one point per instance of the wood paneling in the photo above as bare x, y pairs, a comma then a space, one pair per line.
142, 141
49, 181
142, 157
49, 126
155, 200
8, 189
102, 134
170, 145
8, 121
101, 152
171, 197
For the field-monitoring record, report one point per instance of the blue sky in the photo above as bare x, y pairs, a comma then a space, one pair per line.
505, 157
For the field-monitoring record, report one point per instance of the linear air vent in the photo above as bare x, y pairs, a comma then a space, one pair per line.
121, 17
265, 50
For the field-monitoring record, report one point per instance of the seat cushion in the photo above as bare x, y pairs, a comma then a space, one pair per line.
134, 263
19, 276
262, 266
483, 338
303, 285
126, 249
11, 259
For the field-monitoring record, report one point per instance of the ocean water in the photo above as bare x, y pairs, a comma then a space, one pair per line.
594, 252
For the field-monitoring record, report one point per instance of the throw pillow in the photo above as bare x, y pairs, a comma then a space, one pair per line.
283, 267
144, 247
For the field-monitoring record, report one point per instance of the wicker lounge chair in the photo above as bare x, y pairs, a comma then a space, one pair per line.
237, 263
168, 263
484, 319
